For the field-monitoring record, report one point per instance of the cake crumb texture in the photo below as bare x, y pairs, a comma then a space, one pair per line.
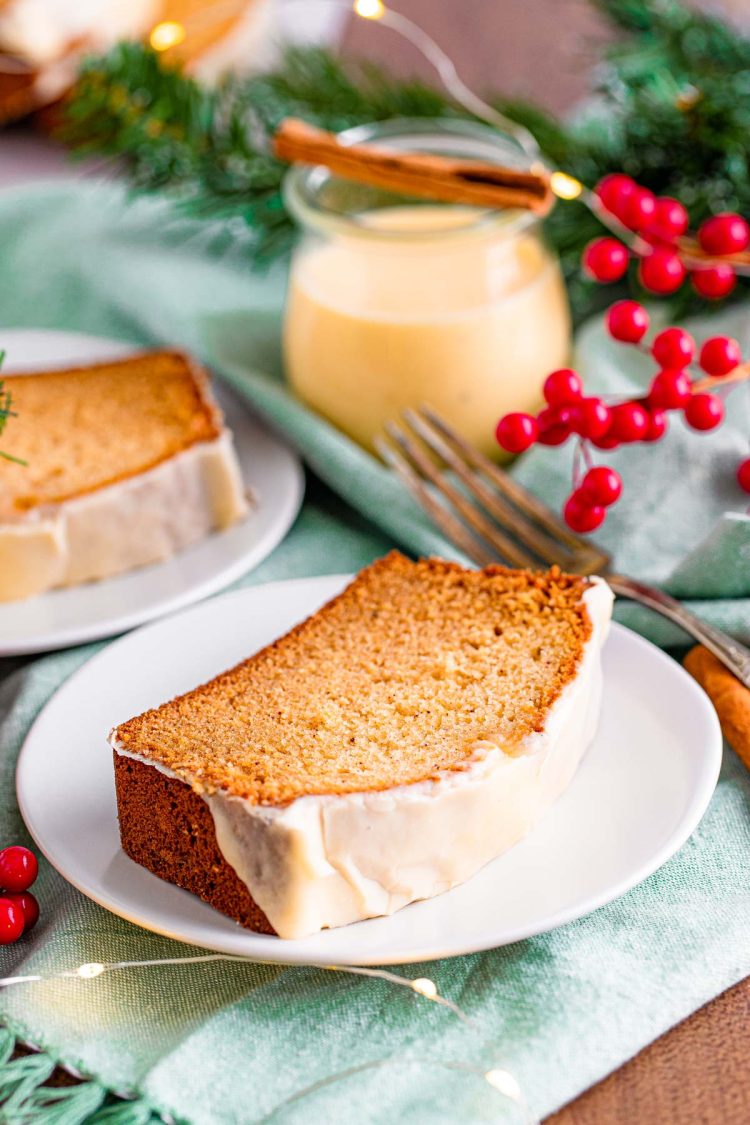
84, 428
393, 682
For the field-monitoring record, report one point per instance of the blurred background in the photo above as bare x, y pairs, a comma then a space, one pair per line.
538, 49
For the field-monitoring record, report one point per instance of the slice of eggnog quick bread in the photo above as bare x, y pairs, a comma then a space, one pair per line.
391, 683
117, 464
87, 427
402, 682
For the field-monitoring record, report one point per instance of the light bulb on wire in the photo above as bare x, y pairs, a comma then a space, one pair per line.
497, 1077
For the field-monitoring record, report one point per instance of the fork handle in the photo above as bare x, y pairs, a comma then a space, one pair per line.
731, 653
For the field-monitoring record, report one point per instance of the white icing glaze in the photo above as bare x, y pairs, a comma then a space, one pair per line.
144, 519
327, 861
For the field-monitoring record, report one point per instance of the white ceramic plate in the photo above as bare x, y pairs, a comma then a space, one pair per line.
638, 795
102, 609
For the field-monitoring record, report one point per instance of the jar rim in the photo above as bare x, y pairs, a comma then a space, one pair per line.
303, 185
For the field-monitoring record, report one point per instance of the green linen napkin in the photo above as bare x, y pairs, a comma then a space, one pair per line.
225, 1043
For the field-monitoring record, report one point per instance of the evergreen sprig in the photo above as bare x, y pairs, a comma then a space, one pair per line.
5, 402
671, 108
6, 412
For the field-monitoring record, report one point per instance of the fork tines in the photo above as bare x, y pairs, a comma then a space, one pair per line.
476, 504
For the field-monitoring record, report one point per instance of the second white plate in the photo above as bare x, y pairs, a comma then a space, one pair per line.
638, 795
102, 609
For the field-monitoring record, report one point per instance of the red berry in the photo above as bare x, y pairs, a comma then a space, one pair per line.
554, 425
720, 355
640, 208
606, 442
743, 475
614, 191
629, 422
627, 321
726, 233
661, 271
516, 432
28, 906
674, 347
704, 412
670, 390
563, 387
602, 485
581, 515
592, 418
657, 425
18, 868
714, 282
11, 921
605, 259
670, 219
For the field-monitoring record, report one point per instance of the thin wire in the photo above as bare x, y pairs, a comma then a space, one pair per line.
399, 23
394, 978
453, 82
5, 982
463, 94
377, 1064
422, 986
98, 968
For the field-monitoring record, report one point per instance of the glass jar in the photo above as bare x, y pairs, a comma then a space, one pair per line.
396, 301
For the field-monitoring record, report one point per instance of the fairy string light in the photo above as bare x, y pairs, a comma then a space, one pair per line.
423, 986
691, 254
498, 1078
713, 273
446, 69
171, 33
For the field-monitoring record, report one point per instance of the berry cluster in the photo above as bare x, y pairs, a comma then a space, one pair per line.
607, 425
659, 225
19, 910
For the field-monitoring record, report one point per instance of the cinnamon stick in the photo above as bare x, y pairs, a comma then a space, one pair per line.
730, 698
427, 175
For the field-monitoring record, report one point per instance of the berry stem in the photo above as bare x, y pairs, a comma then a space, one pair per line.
738, 374
586, 453
688, 246
577, 465
692, 255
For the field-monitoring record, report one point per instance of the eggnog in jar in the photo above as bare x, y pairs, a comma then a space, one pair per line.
392, 304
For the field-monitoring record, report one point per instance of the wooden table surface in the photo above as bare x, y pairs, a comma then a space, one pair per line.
696, 1074
699, 1072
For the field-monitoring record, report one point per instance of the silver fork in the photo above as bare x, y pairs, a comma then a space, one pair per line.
494, 519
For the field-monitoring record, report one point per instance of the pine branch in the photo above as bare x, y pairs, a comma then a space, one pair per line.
6, 412
673, 111
5, 403
640, 15
211, 148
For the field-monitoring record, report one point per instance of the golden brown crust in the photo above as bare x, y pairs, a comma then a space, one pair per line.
169, 830
392, 683
84, 428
